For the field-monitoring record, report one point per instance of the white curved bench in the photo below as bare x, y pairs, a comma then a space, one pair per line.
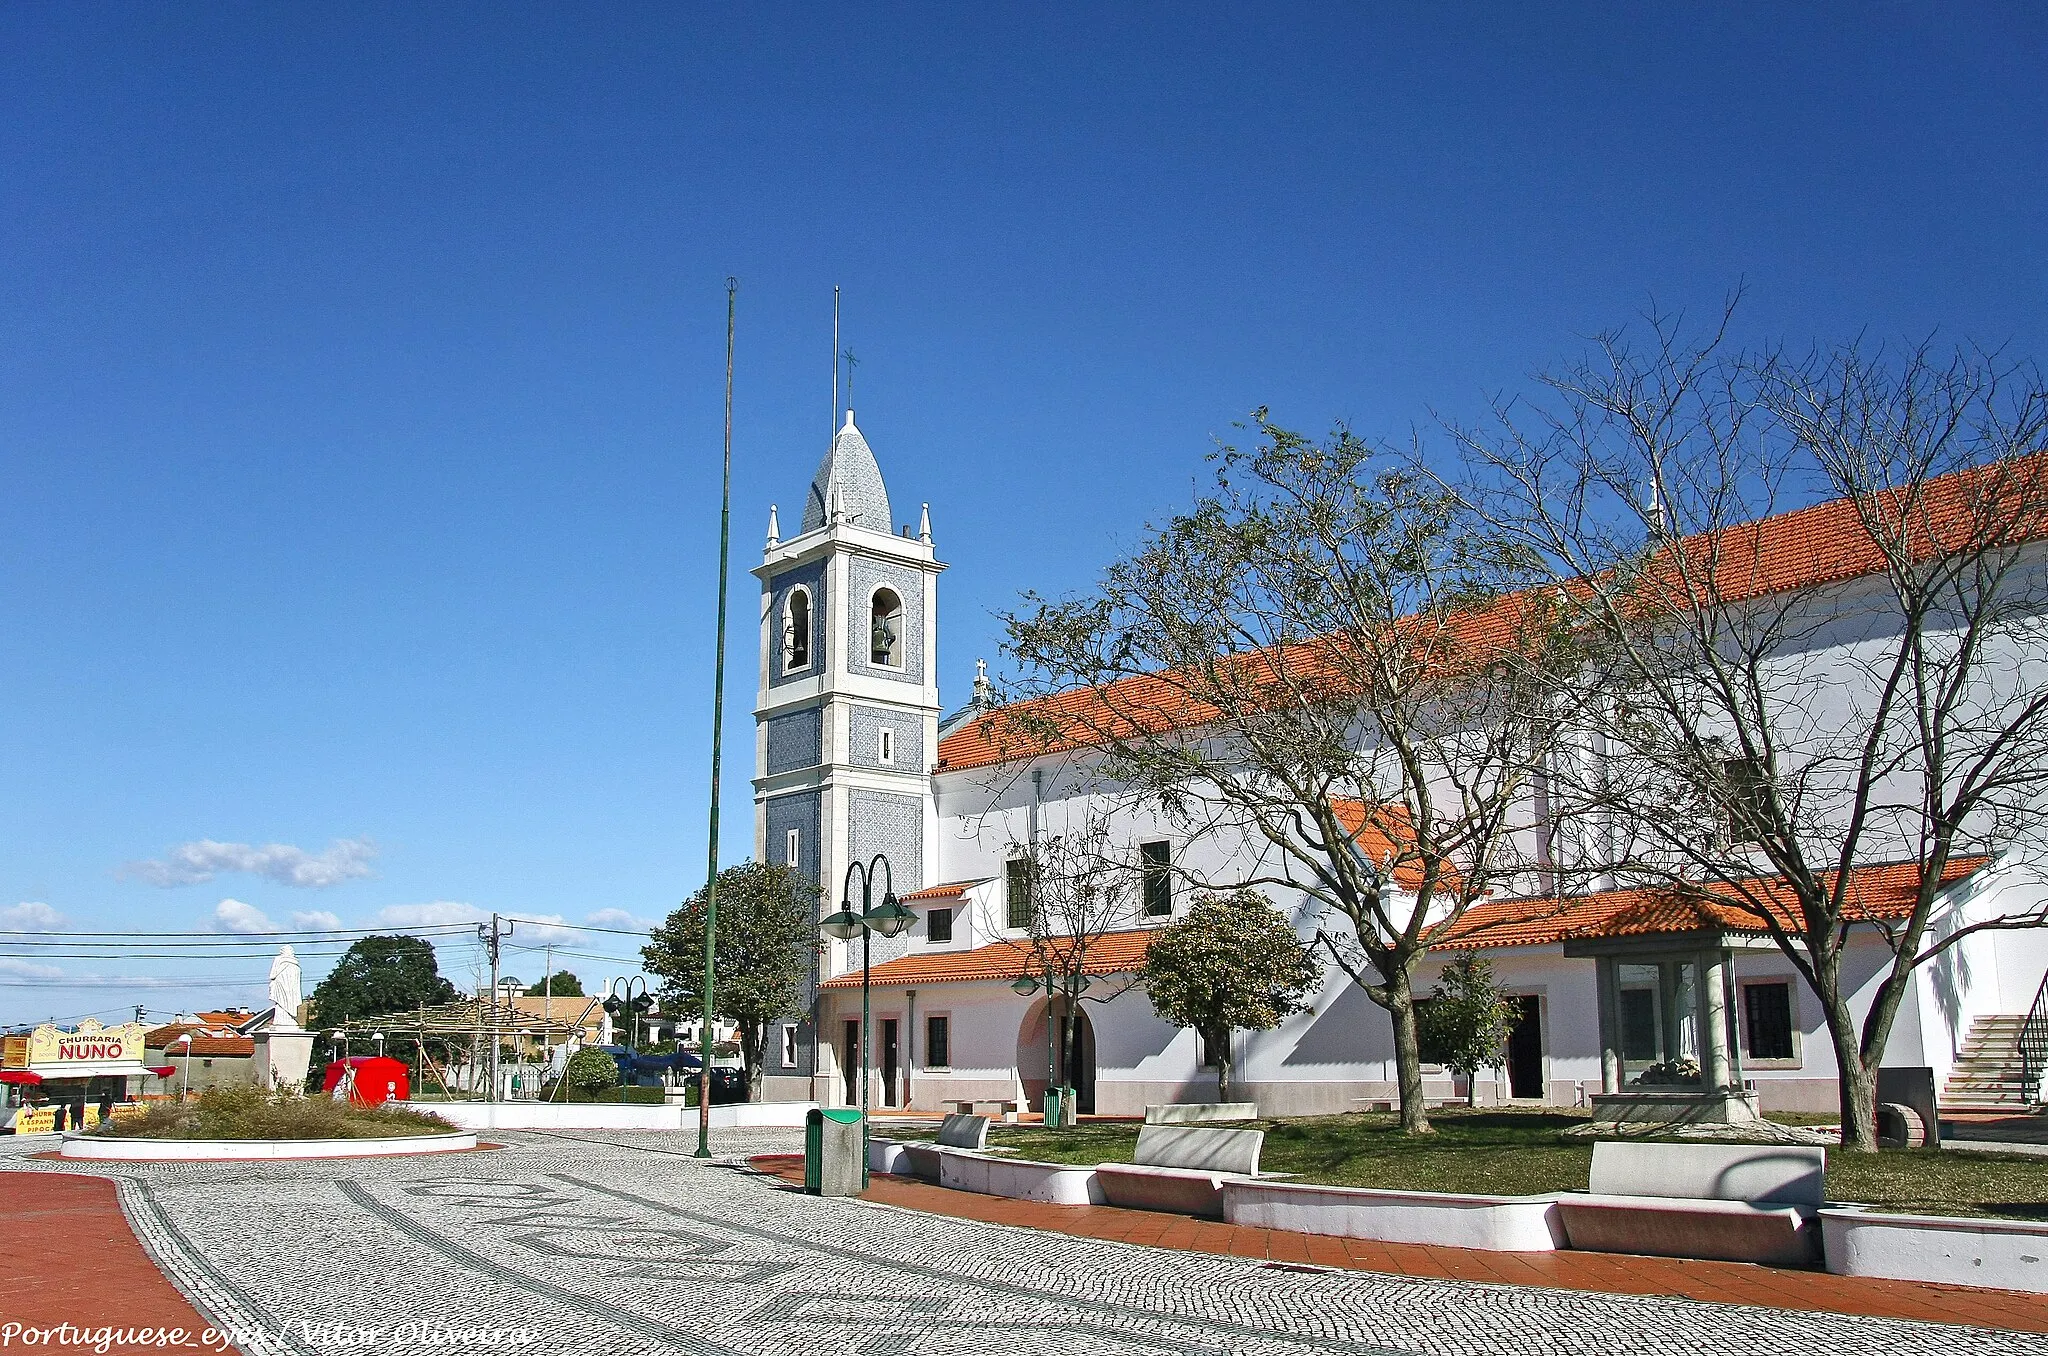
1181, 1168
1721, 1202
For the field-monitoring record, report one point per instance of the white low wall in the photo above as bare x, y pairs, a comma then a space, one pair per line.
2000, 1254
1492, 1223
1054, 1183
612, 1115
129, 1149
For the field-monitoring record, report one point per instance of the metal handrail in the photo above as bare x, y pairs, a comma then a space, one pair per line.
2034, 1043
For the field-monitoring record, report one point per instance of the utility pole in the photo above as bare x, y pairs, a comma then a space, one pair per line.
497, 932
732, 288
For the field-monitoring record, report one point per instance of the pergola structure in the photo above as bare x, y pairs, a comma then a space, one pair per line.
480, 1024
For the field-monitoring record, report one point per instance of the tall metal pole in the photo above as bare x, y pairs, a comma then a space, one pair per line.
867, 937
732, 287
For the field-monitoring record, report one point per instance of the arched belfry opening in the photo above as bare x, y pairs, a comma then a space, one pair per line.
885, 629
796, 631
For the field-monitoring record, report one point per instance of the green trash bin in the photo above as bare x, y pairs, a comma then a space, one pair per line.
1054, 1108
835, 1160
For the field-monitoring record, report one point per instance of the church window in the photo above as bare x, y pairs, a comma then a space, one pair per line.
1017, 891
1158, 878
796, 840
887, 752
796, 631
885, 629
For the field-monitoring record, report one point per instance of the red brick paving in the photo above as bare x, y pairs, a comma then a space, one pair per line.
1612, 1273
67, 1255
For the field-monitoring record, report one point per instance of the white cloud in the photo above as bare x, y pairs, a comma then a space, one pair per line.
316, 920
25, 970
198, 862
30, 916
232, 915
615, 918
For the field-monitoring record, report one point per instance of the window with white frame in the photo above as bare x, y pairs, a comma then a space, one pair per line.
1770, 1023
938, 1041
796, 842
885, 749
789, 1047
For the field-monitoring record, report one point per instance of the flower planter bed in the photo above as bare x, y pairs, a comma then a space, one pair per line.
137, 1148
1491, 1223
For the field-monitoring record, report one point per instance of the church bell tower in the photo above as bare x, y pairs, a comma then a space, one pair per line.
846, 721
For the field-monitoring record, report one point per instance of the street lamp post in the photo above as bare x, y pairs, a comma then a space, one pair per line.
186, 1041
889, 918
629, 1006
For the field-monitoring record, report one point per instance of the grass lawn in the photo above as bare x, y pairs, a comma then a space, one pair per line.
1519, 1153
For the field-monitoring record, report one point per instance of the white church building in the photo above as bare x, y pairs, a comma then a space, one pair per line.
854, 758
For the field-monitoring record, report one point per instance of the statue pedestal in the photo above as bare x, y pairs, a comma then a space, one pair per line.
282, 1058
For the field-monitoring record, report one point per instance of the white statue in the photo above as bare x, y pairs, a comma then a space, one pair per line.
284, 991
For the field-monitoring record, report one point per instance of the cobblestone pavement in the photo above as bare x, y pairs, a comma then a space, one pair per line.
608, 1244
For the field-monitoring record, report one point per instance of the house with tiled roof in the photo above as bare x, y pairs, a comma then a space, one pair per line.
858, 767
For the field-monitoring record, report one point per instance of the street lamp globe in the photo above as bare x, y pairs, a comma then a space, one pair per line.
889, 917
844, 925
1025, 985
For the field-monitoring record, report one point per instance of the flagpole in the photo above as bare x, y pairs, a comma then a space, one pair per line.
732, 287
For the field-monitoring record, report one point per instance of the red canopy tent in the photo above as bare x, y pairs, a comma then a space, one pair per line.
19, 1076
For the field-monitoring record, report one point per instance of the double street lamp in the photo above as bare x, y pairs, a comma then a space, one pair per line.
890, 919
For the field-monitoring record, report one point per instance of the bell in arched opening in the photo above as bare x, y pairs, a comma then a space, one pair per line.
885, 630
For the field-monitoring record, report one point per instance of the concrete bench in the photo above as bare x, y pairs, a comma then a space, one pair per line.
992, 1106
955, 1132
1198, 1113
1723, 1202
1181, 1168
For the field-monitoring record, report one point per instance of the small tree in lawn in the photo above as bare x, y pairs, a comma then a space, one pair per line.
1465, 1024
1232, 964
767, 925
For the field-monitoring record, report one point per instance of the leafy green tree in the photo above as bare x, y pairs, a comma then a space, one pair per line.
1232, 964
381, 974
591, 1071
1465, 1024
767, 929
561, 984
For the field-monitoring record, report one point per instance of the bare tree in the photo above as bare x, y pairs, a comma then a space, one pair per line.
1324, 657
1787, 699
1076, 894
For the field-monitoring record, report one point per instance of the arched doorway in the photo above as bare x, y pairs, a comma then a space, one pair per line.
1039, 1066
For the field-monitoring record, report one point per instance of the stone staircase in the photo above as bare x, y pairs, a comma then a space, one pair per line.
1988, 1074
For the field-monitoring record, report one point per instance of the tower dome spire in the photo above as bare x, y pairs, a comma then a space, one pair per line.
848, 474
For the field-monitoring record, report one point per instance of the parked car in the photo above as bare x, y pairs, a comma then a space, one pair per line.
728, 1083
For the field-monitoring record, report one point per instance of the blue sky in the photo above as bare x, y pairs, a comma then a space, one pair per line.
360, 366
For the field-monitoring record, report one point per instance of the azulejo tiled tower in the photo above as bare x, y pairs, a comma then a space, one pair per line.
846, 722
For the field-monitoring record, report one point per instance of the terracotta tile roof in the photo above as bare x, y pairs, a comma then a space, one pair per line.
208, 1040
1874, 892
938, 892
1111, 953
1822, 544
1389, 835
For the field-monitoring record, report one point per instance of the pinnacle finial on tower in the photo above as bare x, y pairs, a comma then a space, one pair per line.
774, 528
924, 525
